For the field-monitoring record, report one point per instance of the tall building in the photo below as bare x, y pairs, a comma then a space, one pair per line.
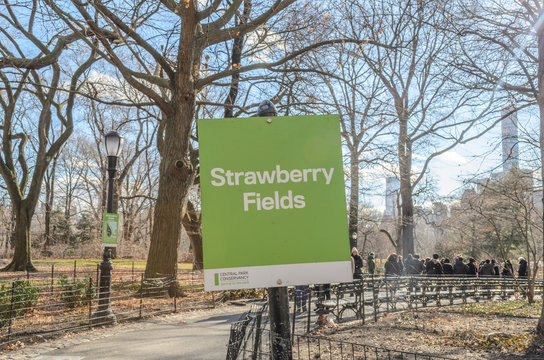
392, 193
510, 151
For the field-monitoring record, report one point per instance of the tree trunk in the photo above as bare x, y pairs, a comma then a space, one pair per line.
540, 101
353, 201
237, 47
192, 222
407, 206
22, 260
49, 198
176, 174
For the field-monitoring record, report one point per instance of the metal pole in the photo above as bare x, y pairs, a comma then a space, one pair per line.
278, 312
278, 300
104, 315
52, 276
11, 309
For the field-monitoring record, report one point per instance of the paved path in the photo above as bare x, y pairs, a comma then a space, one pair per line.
191, 336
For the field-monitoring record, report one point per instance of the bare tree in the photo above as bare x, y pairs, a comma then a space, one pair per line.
433, 114
30, 73
513, 38
187, 30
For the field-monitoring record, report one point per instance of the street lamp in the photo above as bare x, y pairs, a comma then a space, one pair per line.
103, 314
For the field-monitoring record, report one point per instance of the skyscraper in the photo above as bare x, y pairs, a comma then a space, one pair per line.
392, 188
510, 152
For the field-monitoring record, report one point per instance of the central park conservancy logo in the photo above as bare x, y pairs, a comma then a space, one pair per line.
254, 200
231, 278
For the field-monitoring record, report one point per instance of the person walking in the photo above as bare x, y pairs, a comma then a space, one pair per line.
522, 270
356, 264
370, 264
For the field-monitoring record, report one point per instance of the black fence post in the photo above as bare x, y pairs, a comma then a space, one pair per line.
11, 308
258, 334
97, 272
141, 293
309, 309
213, 299
90, 297
75, 269
52, 276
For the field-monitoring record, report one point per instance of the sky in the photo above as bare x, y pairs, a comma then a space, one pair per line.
452, 170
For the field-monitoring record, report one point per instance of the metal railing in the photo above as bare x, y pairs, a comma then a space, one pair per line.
39, 305
367, 299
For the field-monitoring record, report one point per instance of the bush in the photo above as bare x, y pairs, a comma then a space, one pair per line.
75, 292
25, 297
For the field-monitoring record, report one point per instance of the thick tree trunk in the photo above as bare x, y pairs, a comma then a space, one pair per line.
22, 260
192, 222
353, 201
405, 170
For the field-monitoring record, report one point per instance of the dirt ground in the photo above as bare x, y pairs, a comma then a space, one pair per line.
503, 330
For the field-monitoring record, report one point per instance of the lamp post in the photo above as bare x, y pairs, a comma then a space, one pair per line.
103, 314
278, 299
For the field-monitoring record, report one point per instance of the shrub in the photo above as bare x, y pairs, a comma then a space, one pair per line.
25, 297
75, 292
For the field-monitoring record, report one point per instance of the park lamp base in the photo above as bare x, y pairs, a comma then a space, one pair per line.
103, 317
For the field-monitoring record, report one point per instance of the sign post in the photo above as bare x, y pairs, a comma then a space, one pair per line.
273, 204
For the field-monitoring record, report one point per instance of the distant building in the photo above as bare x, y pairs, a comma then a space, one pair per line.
392, 189
510, 150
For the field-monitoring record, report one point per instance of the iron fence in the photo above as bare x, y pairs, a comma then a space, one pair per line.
366, 300
39, 305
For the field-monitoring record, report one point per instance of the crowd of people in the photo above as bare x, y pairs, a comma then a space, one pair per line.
413, 265
435, 265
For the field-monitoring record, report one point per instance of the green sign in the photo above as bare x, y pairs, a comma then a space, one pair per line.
110, 230
273, 202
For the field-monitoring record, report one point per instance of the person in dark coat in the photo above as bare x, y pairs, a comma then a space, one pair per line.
487, 269
412, 266
356, 264
434, 267
522, 270
495, 268
447, 267
370, 264
460, 268
508, 269
472, 267
391, 265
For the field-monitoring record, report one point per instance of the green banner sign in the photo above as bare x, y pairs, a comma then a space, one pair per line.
273, 202
110, 230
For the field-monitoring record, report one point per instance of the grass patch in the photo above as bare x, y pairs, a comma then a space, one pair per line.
117, 263
519, 308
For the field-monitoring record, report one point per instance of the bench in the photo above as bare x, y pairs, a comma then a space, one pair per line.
347, 296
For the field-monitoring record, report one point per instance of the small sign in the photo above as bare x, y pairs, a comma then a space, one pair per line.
273, 202
110, 230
